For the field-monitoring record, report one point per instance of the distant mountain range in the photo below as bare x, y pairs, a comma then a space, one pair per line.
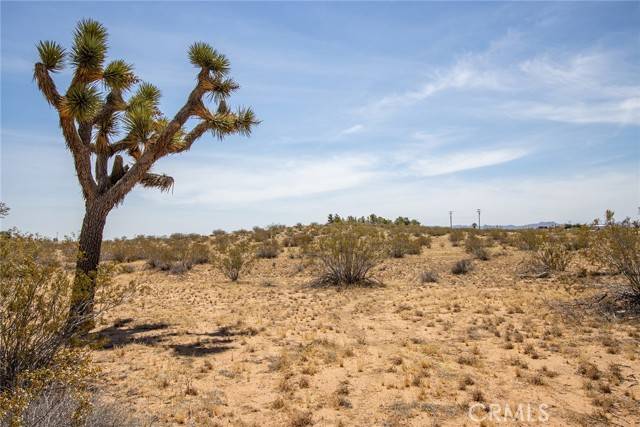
542, 224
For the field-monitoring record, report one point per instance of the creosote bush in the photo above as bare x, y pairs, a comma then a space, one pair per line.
39, 350
424, 241
348, 252
528, 240
428, 276
617, 247
476, 246
400, 244
234, 259
456, 236
462, 267
176, 254
268, 249
297, 240
552, 255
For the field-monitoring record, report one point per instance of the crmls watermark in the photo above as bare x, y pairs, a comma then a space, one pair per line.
502, 413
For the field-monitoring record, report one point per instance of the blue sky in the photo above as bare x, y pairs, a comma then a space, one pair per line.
530, 111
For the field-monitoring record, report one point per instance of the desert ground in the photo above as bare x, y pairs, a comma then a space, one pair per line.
270, 350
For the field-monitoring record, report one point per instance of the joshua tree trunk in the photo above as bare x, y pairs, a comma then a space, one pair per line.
84, 288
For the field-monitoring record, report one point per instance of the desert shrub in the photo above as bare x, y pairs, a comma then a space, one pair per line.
482, 253
122, 250
348, 252
260, 234
477, 246
462, 267
499, 236
456, 236
297, 240
268, 249
436, 231
472, 242
552, 255
428, 276
424, 241
400, 244
529, 239
177, 255
222, 241
161, 256
38, 349
234, 259
61, 405
617, 247
579, 238
198, 253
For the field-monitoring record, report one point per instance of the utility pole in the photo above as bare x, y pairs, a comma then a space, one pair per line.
451, 219
478, 219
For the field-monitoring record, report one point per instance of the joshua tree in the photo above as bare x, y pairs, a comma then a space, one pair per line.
100, 127
4, 209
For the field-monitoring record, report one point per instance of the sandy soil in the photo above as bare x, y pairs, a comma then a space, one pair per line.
195, 349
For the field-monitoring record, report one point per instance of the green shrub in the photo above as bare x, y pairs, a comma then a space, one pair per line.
529, 239
234, 259
348, 252
617, 247
552, 255
400, 244
38, 349
177, 255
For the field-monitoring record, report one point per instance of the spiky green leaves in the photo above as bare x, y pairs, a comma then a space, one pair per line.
245, 120
147, 95
89, 46
82, 102
52, 55
224, 122
118, 75
138, 121
220, 89
204, 56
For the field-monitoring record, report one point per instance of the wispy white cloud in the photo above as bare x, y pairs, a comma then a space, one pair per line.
466, 74
579, 87
624, 111
267, 179
353, 129
434, 165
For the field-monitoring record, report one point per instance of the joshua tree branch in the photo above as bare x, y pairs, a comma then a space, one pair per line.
155, 150
81, 152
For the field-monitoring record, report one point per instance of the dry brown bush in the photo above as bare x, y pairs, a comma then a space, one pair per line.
268, 249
